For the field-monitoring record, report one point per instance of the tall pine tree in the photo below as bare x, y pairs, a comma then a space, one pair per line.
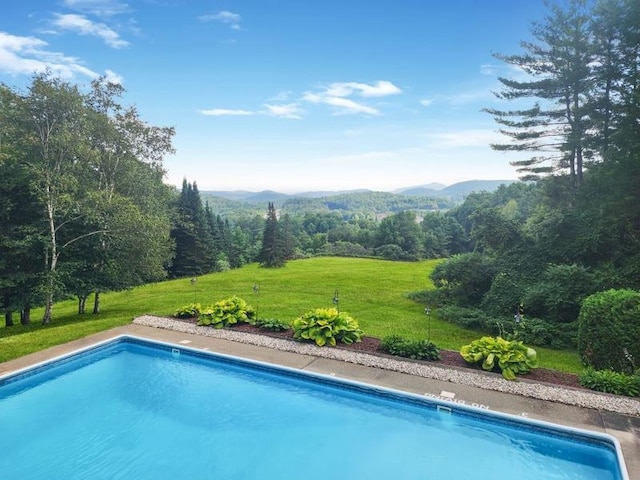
195, 249
272, 254
556, 126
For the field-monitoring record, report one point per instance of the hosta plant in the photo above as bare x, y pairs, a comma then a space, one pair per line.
414, 349
609, 381
227, 312
188, 311
497, 354
272, 324
326, 326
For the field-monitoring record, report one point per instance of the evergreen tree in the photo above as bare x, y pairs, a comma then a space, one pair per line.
239, 252
272, 253
195, 252
556, 126
21, 243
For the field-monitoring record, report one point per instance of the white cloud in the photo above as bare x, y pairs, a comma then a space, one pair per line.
347, 106
380, 89
113, 77
82, 25
281, 96
290, 110
230, 18
284, 111
28, 55
15, 43
336, 95
426, 102
99, 8
218, 112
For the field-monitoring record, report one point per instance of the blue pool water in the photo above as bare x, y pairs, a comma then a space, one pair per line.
130, 409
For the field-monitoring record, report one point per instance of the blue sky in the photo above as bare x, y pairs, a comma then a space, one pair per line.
291, 95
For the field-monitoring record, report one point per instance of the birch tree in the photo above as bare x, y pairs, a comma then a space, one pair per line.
128, 199
54, 117
95, 169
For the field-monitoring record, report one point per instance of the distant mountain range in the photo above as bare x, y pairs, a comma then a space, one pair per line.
457, 191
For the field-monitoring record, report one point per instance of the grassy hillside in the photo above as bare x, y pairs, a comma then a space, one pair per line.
372, 291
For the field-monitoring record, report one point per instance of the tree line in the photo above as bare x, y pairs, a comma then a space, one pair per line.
84, 210
543, 247
282, 233
363, 203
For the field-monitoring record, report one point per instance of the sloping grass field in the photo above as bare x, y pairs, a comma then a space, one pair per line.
374, 292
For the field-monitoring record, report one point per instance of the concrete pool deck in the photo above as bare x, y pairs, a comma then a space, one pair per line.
625, 428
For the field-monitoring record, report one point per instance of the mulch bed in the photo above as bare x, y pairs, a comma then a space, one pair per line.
449, 358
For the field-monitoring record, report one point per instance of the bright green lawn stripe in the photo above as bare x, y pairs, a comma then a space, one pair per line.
563, 360
374, 292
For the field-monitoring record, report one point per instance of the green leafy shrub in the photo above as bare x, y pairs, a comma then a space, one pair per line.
609, 331
504, 294
326, 326
546, 334
272, 324
465, 278
609, 381
227, 312
390, 252
495, 353
188, 311
414, 349
425, 297
559, 293
344, 249
473, 318
533, 331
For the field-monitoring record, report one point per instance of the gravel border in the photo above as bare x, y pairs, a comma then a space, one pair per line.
568, 396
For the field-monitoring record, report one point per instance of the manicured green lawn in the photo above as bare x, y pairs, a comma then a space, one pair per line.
372, 291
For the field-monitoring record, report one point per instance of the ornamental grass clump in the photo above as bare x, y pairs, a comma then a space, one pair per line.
495, 353
327, 326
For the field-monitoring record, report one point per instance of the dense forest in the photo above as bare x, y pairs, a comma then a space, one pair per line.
563, 251
84, 209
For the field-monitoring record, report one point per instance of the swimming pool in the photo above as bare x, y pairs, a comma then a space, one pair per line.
130, 408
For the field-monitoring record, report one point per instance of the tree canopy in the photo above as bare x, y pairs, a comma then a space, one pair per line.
550, 244
89, 174
576, 93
